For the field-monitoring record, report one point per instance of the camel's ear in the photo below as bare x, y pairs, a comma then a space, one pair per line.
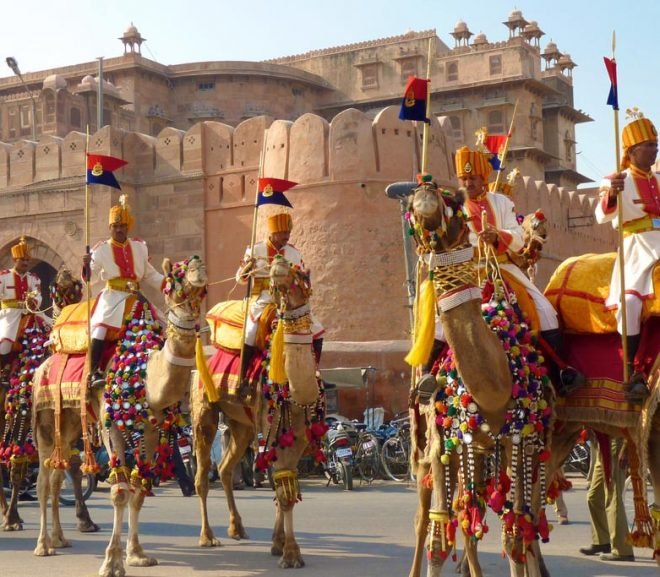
167, 266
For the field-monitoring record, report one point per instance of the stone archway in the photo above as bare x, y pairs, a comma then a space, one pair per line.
45, 264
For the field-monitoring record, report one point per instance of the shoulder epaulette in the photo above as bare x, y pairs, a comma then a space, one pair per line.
138, 239
99, 243
5, 271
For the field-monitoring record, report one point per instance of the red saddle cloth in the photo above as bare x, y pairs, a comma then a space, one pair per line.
600, 358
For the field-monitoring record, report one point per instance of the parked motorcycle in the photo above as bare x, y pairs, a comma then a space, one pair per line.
338, 466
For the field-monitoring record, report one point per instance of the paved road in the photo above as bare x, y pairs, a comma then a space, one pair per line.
363, 533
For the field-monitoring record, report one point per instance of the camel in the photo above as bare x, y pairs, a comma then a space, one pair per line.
602, 406
65, 290
479, 359
535, 233
166, 382
285, 414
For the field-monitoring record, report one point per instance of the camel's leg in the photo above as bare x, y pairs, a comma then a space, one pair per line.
57, 534
286, 495
85, 523
421, 520
3, 499
43, 430
205, 426
654, 468
135, 555
13, 521
277, 546
241, 436
120, 494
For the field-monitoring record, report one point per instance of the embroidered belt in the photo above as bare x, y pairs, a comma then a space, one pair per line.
12, 304
260, 284
640, 225
127, 285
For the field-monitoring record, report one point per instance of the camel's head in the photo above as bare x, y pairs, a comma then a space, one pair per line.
185, 286
65, 289
436, 217
535, 231
289, 283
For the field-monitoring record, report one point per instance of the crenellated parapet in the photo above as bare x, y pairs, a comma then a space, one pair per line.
193, 193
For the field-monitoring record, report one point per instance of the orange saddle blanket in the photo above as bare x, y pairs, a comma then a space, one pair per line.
579, 288
69, 333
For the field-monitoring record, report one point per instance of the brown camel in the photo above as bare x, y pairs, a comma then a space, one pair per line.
64, 290
284, 425
166, 383
479, 359
601, 406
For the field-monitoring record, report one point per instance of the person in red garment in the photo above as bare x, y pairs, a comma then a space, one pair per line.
122, 263
637, 187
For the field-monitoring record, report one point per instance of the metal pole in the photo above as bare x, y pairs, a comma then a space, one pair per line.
99, 96
13, 64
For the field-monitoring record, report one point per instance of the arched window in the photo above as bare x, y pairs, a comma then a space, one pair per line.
75, 117
452, 71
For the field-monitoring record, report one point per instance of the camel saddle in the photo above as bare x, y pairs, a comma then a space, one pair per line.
69, 333
226, 323
579, 288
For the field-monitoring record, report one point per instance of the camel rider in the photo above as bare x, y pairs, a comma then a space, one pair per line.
639, 187
257, 264
20, 293
123, 263
503, 232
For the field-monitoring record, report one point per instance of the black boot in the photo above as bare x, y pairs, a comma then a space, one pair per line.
4, 371
96, 375
426, 385
637, 391
317, 345
566, 378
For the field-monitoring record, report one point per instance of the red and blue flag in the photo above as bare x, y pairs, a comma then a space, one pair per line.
413, 103
271, 191
100, 169
613, 97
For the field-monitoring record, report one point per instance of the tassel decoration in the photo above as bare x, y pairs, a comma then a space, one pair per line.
276, 372
424, 326
204, 373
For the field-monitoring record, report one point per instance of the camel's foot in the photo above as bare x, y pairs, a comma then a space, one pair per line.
43, 549
12, 520
87, 526
141, 560
113, 564
237, 532
59, 542
209, 540
291, 558
276, 549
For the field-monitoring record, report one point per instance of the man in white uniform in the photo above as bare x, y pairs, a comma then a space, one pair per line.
257, 265
638, 188
20, 292
492, 219
122, 263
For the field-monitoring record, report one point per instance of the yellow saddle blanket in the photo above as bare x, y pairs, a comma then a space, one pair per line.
226, 323
69, 333
579, 288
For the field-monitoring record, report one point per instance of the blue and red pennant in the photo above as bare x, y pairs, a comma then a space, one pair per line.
100, 169
613, 97
271, 191
413, 103
495, 144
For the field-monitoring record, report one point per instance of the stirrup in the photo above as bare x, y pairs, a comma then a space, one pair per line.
570, 379
97, 380
425, 388
637, 391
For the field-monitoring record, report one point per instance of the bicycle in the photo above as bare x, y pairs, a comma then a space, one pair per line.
366, 458
579, 459
395, 452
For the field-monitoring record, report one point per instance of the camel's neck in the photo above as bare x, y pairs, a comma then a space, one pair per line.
168, 370
480, 360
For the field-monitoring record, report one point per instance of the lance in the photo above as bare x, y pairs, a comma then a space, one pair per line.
619, 213
253, 235
505, 150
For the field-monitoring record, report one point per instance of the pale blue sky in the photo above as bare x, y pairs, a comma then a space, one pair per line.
44, 34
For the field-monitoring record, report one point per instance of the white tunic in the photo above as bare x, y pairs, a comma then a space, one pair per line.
111, 260
264, 253
641, 250
500, 213
10, 318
